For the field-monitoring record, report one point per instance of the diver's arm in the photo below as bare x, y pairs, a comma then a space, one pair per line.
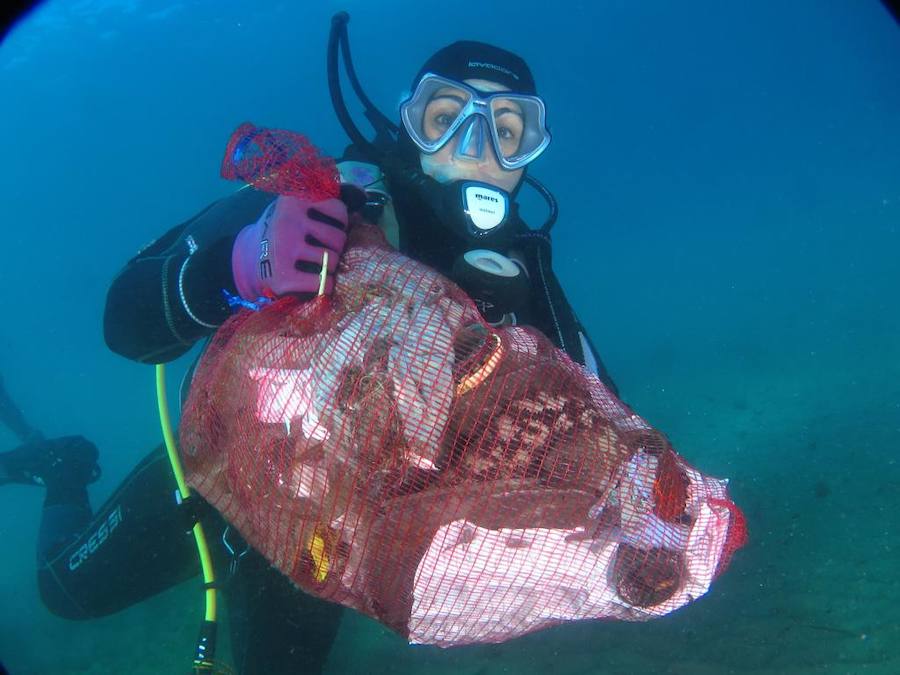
170, 294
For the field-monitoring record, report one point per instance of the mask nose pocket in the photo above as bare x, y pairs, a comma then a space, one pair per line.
472, 138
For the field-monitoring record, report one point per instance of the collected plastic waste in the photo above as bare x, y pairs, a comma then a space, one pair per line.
387, 449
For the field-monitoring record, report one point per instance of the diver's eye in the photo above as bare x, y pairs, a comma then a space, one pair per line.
506, 134
442, 120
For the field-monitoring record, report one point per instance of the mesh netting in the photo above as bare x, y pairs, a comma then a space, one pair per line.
279, 161
388, 450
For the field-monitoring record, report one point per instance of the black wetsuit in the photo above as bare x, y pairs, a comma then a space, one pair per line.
163, 301
138, 544
170, 294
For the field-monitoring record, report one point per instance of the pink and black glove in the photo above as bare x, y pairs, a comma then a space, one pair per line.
282, 252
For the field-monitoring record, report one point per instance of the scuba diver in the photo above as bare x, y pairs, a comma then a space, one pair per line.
64, 467
442, 186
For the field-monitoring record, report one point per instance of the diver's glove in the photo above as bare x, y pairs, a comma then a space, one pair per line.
283, 251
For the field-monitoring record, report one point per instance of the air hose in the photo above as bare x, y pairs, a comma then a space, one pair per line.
206, 643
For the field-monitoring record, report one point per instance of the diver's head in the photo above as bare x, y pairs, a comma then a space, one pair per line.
474, 114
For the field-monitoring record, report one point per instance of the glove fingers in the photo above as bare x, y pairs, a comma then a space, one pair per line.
294, 209
327, 225
304, 229
302, 282
334, 211
318, 237
299, 233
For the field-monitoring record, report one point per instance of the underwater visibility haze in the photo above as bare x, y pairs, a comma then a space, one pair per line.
728, 180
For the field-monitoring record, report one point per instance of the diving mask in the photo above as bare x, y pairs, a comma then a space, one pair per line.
513, 124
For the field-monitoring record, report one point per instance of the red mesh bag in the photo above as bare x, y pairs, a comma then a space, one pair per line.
279, 161
386, 449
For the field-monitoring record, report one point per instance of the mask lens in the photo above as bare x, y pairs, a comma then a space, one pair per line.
515, 124
434, 112
509, 121
442, 112
520, 128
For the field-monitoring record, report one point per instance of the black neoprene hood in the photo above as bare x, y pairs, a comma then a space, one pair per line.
467, 59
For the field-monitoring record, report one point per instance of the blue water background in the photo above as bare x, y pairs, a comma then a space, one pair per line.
729, 185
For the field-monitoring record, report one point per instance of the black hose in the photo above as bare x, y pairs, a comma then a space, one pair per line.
374, 115
338, 33
549, 198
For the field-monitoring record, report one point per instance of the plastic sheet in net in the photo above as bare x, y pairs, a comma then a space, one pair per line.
387, 450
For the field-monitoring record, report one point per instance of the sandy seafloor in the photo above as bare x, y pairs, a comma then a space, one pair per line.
730, 235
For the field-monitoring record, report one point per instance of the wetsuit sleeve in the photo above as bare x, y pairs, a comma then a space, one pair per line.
170, 294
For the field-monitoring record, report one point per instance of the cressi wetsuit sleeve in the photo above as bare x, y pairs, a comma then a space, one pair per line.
170, 294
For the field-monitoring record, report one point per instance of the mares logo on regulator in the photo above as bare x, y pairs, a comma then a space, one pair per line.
97, 538
485, 206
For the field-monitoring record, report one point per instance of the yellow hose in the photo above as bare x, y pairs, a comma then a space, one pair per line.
206, 664
175, 461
